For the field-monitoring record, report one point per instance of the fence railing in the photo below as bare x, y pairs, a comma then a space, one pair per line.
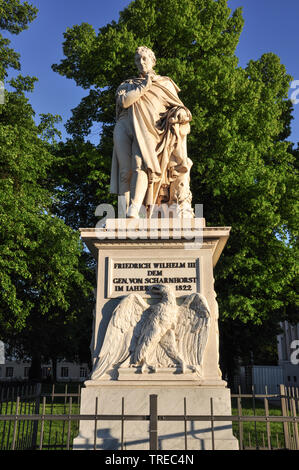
51, 420
22, 410
282, 408
24, 398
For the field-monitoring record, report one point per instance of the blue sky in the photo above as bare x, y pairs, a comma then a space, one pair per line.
270, 26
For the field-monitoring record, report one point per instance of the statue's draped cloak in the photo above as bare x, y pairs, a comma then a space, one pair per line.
155, 135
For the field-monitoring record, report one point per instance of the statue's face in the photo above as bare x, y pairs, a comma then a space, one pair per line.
144, 63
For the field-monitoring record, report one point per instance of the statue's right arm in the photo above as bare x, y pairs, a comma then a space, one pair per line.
126, 98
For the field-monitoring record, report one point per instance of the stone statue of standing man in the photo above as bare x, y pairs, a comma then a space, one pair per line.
150, 165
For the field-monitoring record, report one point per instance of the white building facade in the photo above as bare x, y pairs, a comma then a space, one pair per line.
66, 371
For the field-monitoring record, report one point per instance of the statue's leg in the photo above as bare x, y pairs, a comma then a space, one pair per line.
123, 145
139, 182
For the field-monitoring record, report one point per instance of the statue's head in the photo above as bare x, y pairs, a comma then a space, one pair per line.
145, 59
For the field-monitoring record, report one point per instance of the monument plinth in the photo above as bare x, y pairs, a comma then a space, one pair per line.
181, 261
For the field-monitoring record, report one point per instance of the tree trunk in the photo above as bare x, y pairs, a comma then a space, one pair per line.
35, 371
54, 368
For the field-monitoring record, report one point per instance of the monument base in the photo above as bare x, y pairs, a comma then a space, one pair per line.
180, 254
171, 434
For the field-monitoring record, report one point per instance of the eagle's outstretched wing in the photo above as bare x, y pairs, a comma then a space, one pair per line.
192, 329
121, 334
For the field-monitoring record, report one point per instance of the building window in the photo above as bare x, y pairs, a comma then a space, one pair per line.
64, 372
9, 372
26, 372
83, 372
295, 378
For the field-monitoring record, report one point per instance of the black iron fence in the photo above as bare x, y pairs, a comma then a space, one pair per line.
32, 418
267, 421
23, 409
23, 398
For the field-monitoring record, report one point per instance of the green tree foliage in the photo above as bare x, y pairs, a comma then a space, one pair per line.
60, 333
14, 18
41, 268
244, 166
39, 252
80, 181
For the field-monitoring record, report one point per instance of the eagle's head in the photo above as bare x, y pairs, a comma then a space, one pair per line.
166, 292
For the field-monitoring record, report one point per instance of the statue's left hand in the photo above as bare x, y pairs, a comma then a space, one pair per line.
182, 116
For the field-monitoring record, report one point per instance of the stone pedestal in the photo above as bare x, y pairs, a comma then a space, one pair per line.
132, 255
171, 434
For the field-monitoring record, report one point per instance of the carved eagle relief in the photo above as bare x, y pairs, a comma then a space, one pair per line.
155, 336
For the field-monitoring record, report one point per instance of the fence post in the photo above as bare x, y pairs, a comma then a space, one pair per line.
153, 422
268, 427
15, 425
36, 411
295, 425
284, 413
122, 423
254, 412
239, 401
41, 437
185, 422
95, 425
212, 423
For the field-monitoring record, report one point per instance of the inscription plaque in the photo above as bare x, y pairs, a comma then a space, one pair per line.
125, 276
